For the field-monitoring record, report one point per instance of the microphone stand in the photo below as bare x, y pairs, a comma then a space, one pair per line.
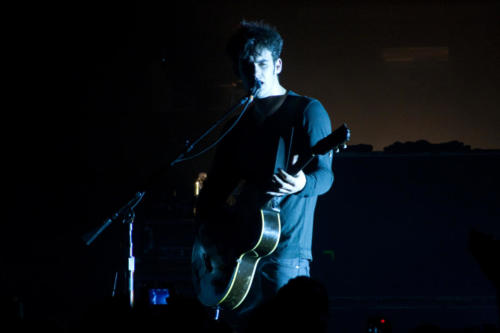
127, 214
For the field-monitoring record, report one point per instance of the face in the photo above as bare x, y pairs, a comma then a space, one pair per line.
261, 67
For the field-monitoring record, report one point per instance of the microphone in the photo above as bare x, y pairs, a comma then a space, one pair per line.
256, 86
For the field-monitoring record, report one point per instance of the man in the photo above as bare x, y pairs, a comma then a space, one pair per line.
277, 131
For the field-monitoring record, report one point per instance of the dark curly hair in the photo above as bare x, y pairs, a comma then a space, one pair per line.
250, 38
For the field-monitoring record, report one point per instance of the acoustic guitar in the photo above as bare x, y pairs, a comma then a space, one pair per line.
223, 280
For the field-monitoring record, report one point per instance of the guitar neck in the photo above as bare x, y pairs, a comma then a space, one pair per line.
332, 142
301, 164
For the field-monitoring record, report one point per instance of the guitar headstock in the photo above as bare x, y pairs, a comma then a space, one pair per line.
335, 141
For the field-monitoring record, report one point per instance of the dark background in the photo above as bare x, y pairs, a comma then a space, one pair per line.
102, 96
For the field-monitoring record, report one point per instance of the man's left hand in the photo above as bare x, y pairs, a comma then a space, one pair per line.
284, 183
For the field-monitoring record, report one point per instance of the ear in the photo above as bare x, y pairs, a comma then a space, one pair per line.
278, 66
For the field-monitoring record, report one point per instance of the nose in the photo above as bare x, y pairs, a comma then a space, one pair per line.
257, 75
251, 72
256, 70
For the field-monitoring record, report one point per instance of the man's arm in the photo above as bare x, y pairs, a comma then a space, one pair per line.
317, 178
319, 174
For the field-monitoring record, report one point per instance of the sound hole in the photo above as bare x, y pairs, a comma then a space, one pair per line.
208, 264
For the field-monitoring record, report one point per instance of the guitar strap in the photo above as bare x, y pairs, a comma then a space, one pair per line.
288, 145
291, 128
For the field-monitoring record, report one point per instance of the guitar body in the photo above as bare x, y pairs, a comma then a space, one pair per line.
211, 271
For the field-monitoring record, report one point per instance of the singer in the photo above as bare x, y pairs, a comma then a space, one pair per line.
279, 129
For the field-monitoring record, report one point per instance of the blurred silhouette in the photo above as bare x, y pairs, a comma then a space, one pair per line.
181, 314
303, 301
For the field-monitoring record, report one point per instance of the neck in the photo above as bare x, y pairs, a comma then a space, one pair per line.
277, 90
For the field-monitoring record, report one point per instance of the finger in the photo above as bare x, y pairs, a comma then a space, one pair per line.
279, 184
282, 186
280, 180
276, 194
286, 177
284, 190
